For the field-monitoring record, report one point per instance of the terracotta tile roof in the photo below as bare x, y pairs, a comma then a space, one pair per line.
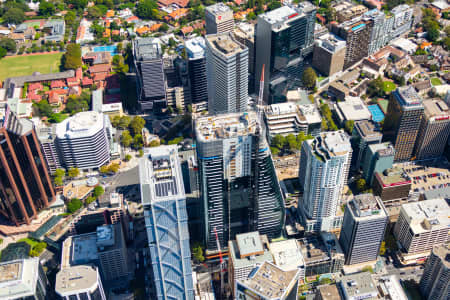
72, 81
57, 84
86, 81
80, 32
78, 73
199, 25
35, 86
320, 18
176, 14
107, 32
99, 77
110, 13
143, 30
30, 14
132, 18
180, 3
101, 68
34, 96
155, 27
425, 45
187, 29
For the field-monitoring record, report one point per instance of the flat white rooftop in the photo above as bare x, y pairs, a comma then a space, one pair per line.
353, 108
287, 254
278, 15
18, 278
335, 142
195, 47
311, 113
427, 215
218, 8
76, 279
82, 124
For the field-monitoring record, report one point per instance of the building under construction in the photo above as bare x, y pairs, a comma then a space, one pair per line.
240, 189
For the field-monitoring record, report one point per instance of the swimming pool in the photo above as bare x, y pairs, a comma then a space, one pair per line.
377, 113
111, 49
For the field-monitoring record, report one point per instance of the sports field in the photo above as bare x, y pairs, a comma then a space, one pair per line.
26, 65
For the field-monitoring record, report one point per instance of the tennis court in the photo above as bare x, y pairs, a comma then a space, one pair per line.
377, 114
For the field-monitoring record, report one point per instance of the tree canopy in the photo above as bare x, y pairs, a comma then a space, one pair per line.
8, 44
74, 205
46, 8
148, 9
73, 172
137, 124
72, 57
13, 16
309, 78
98, 191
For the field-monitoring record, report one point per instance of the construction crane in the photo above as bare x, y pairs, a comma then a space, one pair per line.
260, 97
222, 265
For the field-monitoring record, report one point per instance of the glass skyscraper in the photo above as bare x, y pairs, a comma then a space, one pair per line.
284, 37
240, 189
164, 201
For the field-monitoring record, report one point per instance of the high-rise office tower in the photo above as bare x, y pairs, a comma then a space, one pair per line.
218, 18
365, 133
149, 66
24, 279
79, 282
329, 54
402, 123
195, 49
240, 189
363, 227
25, 184
421, 226
434, 129
356, 33
227, 73
435, 282
83, 140
164, 201
324, 167
377, 159
284, 37
245, 34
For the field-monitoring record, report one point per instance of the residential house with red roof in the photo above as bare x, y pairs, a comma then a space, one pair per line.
57, 84
86, 82
180, 3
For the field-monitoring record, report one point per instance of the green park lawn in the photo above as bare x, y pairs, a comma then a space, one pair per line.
435, 81
388, 86
25, 65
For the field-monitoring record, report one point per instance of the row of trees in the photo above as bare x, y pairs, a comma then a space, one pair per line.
60, 175
327, 120
71, 60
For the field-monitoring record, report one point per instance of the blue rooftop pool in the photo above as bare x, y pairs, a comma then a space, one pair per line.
111, 49
377, 113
